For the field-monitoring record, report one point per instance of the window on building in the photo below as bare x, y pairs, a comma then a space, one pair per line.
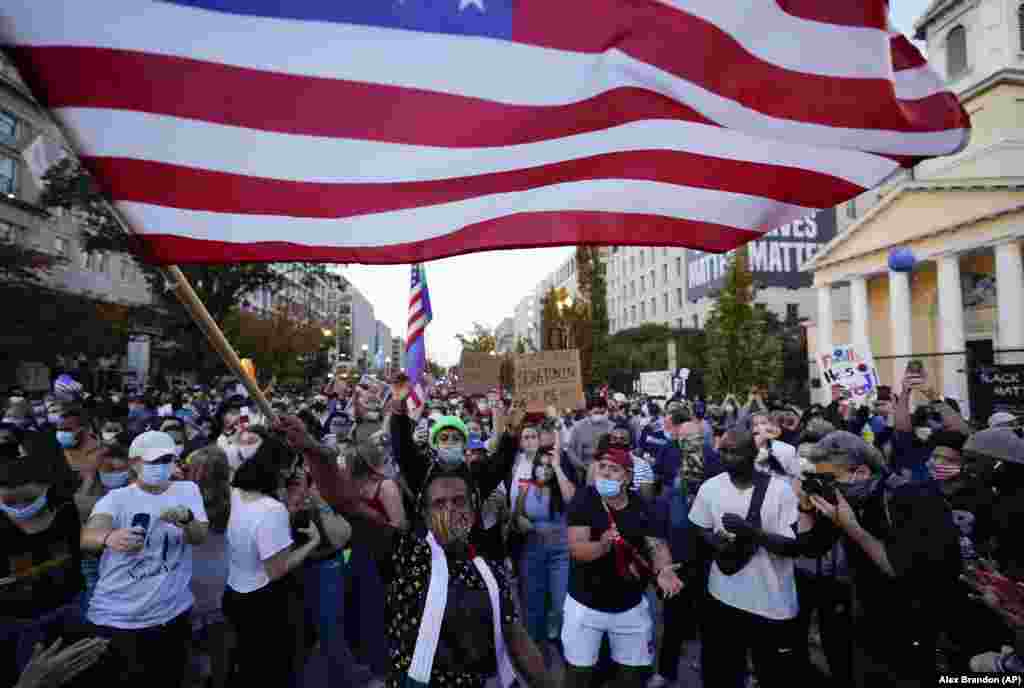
652, 279
696, 321
632, 289
60, 247
679, 266
8, 127
664, 273
679, 297
633, 312
664, 302
643, 310
643, 284
8, 174
654, 306
127, 269
1020, 25
792, 312
956, 52
679, 323
11, 233
632, 263
851, 209
641, 259
625, 316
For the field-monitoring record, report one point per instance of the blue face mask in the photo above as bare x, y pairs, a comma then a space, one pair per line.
23, 513
451, 456
156, 473
67, 439
53, 418
112, 481
607, 487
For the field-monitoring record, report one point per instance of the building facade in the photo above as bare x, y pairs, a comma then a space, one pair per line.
505, 336
961, 307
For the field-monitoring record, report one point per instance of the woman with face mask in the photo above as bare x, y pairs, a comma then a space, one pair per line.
260, 593
544, 559
40, 578
522, 473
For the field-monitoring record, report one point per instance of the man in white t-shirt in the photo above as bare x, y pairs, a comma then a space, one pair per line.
145, 533
755, 608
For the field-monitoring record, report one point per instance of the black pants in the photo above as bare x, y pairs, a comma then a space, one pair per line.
265, 651
729, 633
680, 625
153, 657
832, 600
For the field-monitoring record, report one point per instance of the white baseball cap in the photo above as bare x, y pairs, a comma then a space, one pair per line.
1001, 418
151, 445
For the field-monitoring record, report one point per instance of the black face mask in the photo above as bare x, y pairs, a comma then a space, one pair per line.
742, 468
9, 450
678, 418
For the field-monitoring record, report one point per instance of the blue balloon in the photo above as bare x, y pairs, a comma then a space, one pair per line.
901, 260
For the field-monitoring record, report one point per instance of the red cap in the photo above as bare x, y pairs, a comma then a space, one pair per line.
618, 456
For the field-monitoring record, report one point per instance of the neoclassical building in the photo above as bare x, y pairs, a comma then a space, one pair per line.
962, 306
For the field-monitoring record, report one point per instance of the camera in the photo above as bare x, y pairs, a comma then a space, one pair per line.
820, 485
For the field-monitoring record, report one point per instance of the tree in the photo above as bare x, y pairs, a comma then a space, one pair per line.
276, 343
590, 275
436, 370
745, 352
220, 287
480, 340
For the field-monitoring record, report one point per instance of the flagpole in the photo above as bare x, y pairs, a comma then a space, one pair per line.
195, 307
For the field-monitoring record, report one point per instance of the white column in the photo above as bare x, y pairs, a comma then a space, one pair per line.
951, 328
859, 316
900, 321
1010, 301
823, 335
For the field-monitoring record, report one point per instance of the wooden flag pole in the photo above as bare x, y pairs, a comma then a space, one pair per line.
197, 309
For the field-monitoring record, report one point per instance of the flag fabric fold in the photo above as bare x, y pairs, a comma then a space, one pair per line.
400, 132
420, 315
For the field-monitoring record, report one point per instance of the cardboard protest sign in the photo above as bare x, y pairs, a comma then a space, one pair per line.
549, 378
480, 372
1004, 387
854, 371
657, 383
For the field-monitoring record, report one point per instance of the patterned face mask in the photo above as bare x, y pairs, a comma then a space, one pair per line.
451, 526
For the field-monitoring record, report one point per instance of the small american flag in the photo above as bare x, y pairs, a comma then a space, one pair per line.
420, 315
401, 131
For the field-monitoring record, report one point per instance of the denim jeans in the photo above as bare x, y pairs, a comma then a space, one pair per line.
325, 606
545, 571
364, 612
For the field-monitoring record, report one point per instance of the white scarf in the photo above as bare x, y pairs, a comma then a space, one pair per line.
433, 614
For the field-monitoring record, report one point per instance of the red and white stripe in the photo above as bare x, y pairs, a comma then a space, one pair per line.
704, 124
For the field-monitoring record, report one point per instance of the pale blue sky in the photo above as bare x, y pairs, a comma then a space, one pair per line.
486, 287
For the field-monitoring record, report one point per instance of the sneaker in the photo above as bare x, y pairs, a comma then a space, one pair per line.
1002, 662
657, 681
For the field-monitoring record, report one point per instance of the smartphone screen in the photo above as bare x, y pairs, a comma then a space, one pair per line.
243, 417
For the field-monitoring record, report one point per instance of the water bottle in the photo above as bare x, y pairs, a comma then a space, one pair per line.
868, 434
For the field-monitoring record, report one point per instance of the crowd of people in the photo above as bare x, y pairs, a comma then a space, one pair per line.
183, 539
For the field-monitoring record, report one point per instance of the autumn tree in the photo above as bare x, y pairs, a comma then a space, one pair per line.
743, 351
593, 314
480, 340
276, 343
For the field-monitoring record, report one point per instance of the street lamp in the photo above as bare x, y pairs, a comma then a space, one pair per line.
327, 332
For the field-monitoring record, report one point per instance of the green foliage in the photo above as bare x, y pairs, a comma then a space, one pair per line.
745, 351
22, 265
480, 340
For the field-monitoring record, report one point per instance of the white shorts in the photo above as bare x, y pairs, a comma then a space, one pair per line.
630, 634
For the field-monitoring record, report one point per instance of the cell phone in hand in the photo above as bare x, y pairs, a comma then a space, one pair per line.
243, 418
915, 368
141, 521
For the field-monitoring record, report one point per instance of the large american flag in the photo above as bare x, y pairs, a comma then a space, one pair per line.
388, 131
420, 315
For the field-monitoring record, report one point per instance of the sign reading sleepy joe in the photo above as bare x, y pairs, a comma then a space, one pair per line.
775, 259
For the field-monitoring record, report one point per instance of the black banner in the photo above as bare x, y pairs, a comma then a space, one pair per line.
1004, 386
775, 259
